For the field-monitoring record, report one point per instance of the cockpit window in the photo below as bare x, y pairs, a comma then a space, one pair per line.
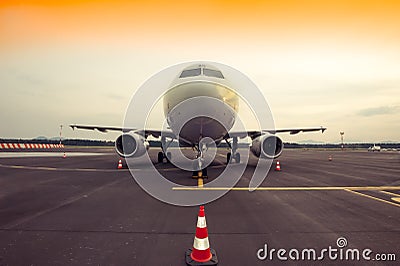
213, 73
190, 73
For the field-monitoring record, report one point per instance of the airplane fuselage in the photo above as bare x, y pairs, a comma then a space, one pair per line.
200, 106
201, 103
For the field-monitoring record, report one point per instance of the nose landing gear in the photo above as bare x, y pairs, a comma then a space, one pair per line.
198, 170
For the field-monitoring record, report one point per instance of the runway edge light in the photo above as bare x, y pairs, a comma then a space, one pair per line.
201, 253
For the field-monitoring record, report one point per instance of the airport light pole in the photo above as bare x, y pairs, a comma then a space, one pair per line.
341, 136
61, 126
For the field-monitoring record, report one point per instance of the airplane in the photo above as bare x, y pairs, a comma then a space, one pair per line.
374, 148
208, 83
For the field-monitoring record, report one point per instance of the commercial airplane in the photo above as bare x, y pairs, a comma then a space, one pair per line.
374, 148
205, 82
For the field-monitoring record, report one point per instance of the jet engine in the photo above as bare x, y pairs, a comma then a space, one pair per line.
267, 146
131, 145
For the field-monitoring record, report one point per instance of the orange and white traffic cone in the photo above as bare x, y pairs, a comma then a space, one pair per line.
201, 253
330, 158
119, 164
64, 156
278, 166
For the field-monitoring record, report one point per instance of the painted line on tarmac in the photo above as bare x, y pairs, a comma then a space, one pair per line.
372, 197
176, 168
200, 182
60, 168
368, 188
396, 199
390, 193
45, 168
348, 189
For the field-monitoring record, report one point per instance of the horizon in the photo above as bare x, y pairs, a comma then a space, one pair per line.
242, 141
318, 63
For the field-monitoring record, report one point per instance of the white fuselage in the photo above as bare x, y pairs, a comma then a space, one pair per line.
200, 106
374, 148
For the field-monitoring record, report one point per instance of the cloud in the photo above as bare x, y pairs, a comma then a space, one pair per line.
382, 110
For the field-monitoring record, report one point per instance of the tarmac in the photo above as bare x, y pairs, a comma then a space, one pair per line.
82, 210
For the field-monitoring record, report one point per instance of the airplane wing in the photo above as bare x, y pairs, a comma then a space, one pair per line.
170, 134
294, 131
257, 133
101, 128
145, 132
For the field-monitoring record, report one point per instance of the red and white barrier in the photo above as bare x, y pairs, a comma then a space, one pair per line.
11, 146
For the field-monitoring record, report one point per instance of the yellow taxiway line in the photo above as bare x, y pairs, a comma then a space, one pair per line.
372, 197
365, 188
396, 199
348, 189
390, 193
200, 182
45, 168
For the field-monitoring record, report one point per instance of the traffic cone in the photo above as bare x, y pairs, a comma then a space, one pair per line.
119, 164
201, 253
330, 158
278, 166
64, 156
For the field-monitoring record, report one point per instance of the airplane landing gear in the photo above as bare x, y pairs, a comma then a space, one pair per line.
230, 156
160, 157
163, 154
198, 170
237, 157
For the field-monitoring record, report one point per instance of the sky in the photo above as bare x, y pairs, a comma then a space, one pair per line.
331, 63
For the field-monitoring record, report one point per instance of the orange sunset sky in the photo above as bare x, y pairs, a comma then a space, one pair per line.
331, 63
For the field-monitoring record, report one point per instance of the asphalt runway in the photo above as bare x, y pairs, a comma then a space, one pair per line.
81, 210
